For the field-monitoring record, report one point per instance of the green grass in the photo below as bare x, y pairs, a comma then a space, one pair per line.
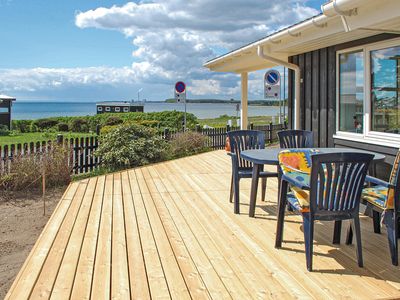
221, 121
17, 137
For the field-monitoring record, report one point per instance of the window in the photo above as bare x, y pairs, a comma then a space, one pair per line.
126, 109
351, 91
368, 93
108, 108
385, 88
99, 108
4, 110
117, 109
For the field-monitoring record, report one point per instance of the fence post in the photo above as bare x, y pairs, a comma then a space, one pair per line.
198, 128
98, 127
251, 126
270, 132
228, 128
166, 133
60, 139
284, 125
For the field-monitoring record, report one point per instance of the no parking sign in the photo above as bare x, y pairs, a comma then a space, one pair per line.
272, 85
180, 91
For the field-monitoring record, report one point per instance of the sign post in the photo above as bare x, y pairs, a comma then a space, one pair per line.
272, 87
180, 96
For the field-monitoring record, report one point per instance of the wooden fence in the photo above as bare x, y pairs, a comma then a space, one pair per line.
80, 153
217, 136
81, 158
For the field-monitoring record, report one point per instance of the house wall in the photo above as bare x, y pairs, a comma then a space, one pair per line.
318, 97
5, 118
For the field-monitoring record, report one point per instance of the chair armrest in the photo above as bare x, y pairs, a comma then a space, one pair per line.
230, 154
378, 181
293, 181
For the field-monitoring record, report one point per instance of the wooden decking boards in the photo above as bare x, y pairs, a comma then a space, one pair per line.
167, 231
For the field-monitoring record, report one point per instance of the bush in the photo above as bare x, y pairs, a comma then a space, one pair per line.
107, 129
26, 170
63, 127
188, 143
131, 145
79, 125
4, 130
43, 124
113, 120
22, 125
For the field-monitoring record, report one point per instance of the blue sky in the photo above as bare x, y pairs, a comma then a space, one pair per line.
107, 50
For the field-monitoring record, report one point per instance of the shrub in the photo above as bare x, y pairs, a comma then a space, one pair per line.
62, 126
26, 170
113, 120
107, 129
45, 123
188, 143
4, 130
131, 145
79, 125
22, 125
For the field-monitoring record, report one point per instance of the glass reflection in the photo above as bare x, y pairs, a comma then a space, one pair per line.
385, 83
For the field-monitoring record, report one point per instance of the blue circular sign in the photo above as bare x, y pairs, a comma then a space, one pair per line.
272, 77
180, 87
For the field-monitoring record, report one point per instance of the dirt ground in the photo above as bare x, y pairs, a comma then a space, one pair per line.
21, 222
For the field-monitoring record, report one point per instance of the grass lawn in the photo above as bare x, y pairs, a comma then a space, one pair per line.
223, 120
37, 137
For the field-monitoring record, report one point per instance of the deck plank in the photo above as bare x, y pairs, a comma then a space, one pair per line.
168, 231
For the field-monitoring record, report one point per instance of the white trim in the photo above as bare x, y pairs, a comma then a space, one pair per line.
117, 109
126, 109
368, 140
108, 108
99, 108
368, 136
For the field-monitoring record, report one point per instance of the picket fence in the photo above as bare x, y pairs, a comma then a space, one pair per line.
81, 158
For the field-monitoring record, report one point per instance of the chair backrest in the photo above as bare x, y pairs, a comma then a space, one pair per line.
240, 140
337, 180
296, 139
394, 194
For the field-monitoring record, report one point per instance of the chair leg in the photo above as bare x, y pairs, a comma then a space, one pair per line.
349, 236
231, 192
308, 228
236, 195
281, 214
392, 232
263, 188
357, 231
337, 231
376, 217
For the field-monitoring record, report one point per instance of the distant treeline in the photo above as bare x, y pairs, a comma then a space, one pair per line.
231, 101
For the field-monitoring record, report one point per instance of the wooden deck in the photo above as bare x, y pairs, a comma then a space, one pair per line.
168, 231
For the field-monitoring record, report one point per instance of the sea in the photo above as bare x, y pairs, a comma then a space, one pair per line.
27, 110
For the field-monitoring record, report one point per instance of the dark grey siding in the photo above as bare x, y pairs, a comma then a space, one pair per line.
318, 95
5, 118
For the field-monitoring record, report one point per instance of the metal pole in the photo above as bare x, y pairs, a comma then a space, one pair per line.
280, 108
185, 117
284, 93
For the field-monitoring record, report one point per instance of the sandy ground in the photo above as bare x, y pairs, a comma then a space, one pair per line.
21, 222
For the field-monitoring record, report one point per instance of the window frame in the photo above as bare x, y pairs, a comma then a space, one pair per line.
368, 135
117, 109
107, 109
99, 108
126, 109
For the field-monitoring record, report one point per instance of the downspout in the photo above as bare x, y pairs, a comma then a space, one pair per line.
296, 69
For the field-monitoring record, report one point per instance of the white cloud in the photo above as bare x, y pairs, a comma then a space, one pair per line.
171, 40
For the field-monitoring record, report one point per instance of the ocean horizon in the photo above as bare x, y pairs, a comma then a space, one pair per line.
28, 110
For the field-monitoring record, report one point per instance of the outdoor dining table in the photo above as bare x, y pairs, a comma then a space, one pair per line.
269, 156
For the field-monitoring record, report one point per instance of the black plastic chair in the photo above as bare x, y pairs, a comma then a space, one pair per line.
383, 198
296, 139
240, 140
332, 193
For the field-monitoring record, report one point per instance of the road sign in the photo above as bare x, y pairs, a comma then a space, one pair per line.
272, 85
180, 91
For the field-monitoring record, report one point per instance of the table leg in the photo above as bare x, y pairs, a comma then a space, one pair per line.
254, 187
